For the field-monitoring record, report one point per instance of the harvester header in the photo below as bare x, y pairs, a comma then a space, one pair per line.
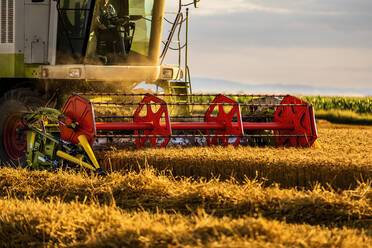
147, 120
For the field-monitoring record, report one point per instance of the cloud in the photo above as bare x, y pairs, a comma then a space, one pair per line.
318, 7
336, 67
223, 7
296, 29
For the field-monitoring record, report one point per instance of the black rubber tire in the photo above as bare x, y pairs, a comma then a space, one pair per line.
13, 104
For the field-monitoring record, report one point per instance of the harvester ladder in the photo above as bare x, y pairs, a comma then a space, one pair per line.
178, 87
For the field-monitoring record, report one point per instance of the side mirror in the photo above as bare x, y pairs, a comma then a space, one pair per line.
196, 3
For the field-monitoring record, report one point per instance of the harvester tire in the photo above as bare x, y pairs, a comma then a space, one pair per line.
13, 141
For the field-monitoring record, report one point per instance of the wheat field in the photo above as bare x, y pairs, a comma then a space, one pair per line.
193, 197
343, 159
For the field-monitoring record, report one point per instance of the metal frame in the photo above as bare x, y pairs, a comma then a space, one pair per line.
292, 124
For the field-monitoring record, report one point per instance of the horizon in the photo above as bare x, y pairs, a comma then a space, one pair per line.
219, 86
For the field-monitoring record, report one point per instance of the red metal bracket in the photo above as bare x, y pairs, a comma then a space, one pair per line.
226, 118
79, 110
153, 117
303, 120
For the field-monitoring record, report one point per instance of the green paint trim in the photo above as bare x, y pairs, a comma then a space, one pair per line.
13, 66
31, 71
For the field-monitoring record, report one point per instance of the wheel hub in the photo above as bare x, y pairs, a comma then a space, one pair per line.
14, 137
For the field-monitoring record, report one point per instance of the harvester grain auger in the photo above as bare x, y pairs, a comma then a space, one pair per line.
71, 133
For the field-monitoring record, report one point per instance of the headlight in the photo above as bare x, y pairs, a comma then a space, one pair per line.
167, 73
75, 73
181, 74
44, 73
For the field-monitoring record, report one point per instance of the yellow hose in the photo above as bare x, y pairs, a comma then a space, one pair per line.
74, 160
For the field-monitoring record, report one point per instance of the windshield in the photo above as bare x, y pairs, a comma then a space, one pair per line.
72, 25
120, 32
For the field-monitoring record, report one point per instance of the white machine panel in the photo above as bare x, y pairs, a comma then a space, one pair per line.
36, 31
53, 24
7, 26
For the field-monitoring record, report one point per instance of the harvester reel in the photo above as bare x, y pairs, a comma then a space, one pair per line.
293, 123
150, 102
301, 115
226, 119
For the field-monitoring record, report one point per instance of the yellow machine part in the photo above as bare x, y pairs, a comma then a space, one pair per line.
78, 160
88, 149
74, 160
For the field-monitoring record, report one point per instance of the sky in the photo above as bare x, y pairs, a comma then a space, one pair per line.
321, 43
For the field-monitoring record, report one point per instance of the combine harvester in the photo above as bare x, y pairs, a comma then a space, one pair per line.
119, 43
